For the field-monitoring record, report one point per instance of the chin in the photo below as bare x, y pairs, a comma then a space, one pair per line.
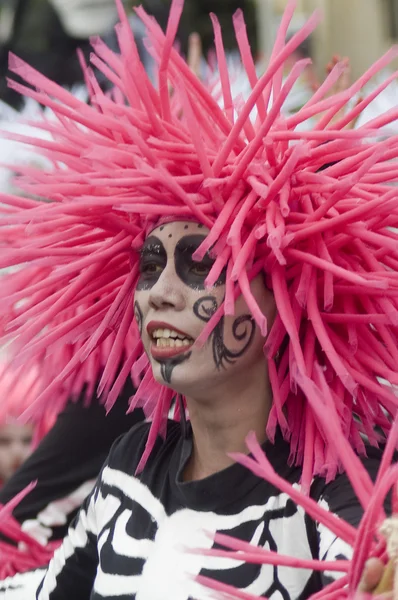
178, 382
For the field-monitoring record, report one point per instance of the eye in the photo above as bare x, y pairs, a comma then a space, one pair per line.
150, 268
201, 269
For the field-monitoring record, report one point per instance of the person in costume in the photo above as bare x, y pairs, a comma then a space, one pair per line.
240, 268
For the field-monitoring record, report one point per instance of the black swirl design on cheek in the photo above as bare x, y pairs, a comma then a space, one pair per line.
243, 329
138, 316
205, 307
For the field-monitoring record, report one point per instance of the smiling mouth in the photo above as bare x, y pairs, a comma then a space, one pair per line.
166, 343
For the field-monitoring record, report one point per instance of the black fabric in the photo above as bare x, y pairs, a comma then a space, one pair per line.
133, 529
38, 37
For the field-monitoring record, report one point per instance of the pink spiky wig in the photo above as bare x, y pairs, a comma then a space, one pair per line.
313, 209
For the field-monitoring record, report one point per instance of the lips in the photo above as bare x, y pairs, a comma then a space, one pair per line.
165, 353
167, 341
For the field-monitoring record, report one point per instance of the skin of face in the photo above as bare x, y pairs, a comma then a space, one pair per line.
171, 298
15, 447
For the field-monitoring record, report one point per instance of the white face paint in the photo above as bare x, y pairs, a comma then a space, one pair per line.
173, 306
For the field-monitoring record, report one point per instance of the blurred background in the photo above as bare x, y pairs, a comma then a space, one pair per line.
46, 33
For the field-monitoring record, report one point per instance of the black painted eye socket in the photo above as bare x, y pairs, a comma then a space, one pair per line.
191, 272
201, 269
150, 269
153, 260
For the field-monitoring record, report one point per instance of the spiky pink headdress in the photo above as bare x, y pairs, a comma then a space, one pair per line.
313, 210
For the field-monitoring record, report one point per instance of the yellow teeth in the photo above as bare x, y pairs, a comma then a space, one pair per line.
169, 334
172, 343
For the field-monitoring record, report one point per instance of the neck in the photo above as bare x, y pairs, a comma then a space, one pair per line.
222, 419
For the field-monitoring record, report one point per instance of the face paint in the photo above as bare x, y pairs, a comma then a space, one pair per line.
168, 365
171, 347
243, 330
138, 316
191, 272
174, 309
205, 307
152, 262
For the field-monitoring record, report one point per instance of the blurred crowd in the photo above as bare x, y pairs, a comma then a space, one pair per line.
47, 33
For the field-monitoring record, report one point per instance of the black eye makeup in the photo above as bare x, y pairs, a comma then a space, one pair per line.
153, 259
191, 272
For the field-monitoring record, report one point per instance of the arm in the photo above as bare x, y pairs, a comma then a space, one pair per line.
72, 569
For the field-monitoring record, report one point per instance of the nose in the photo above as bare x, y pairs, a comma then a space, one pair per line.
19, 453
167, 292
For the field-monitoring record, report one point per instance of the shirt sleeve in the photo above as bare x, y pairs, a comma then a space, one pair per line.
72, 570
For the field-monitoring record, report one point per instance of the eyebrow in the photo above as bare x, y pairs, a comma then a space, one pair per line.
187, 243
152, 246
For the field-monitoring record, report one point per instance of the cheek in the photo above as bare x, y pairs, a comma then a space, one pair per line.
241, 336
25, 451
205, 303
140, 304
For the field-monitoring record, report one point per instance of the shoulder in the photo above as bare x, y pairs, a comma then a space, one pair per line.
339, 496
128, 449
366, 466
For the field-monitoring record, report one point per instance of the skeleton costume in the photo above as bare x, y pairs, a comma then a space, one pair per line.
314, 212
135, 537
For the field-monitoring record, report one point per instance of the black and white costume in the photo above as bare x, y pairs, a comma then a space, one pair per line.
133, 536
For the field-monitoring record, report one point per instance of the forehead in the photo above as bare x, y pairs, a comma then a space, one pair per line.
15, 430
170, 233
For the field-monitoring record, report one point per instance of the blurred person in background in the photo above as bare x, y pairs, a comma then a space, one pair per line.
47, 33
15, 447
195, 17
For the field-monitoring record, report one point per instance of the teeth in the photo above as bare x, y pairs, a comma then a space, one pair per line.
170, 334
162, 342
